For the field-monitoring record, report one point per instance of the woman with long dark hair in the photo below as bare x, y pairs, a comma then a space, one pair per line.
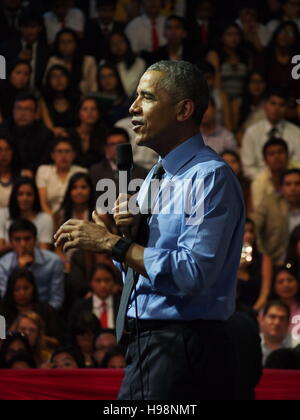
130, 67
9, 171
24, 203
18, 79
248, 109
230, 61
21, 296
255, 273
58, 102
88, 135
113, 99
67, 52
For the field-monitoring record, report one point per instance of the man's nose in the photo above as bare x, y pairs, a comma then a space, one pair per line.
135, 108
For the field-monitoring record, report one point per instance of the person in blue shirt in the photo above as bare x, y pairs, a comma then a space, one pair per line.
46, 266
186, 260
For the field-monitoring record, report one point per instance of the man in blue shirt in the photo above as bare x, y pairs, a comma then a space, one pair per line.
46, 266
187, 267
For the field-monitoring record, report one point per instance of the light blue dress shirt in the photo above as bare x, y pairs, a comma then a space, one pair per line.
48, 271
192, 267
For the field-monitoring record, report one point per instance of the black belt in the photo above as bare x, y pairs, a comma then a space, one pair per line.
152, 325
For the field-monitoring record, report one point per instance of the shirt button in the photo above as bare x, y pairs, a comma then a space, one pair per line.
129, 306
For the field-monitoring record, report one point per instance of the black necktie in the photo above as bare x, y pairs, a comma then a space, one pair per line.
273, 133
132, 276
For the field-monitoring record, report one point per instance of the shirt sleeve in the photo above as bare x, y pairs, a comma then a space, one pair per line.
57, 291
41, 177
202, 248
248, 155
46, 229
3, 220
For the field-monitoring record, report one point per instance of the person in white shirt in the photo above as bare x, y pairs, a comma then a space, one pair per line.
63, 16
274, 324
146, 32
274, 125
52, 180
291, 11
256, 33
216, 136
268, 181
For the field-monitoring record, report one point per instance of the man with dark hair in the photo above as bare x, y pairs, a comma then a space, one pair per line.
274, 125
184, 261
98, 31
30, 46
107, 168
46, 266
290, 12
274, 324
277, 216
268, 181
176, 47
30, 138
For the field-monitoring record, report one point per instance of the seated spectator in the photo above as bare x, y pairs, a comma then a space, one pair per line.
234, 161
8, 171
114, 358
105, 340
82, 68
274, 125
274, 323
277, 216
268, 181
52, 180
32, 326
107, 168
99, 30
58, 102
89, 132
82, 335
129, 66
45, 265
15, 343
255, 272
223, 108
30, 46
22, 296
62, 16
113, 99
177, 47
142, 156
67, 358
249, 108
146, 32
230, 61
286, 287
30, 137
201, 25
10, 12
283, 46
290, 12
216, 136
254, 32
22, 361
292, 259
18, 78
24, 203
79, 203
102, 303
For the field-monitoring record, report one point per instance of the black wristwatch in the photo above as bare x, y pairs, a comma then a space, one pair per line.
120, 249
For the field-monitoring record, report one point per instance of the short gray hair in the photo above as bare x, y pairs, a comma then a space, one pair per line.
184, 81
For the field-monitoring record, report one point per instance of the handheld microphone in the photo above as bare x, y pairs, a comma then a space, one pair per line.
125, 164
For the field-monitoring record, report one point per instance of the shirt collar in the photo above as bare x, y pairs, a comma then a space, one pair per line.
97, 303
180, 156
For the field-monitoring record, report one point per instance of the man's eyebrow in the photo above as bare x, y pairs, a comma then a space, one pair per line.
146, 92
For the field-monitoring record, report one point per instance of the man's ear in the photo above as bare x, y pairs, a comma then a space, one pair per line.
185, 109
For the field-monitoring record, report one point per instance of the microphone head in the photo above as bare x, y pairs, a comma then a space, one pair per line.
124, 157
